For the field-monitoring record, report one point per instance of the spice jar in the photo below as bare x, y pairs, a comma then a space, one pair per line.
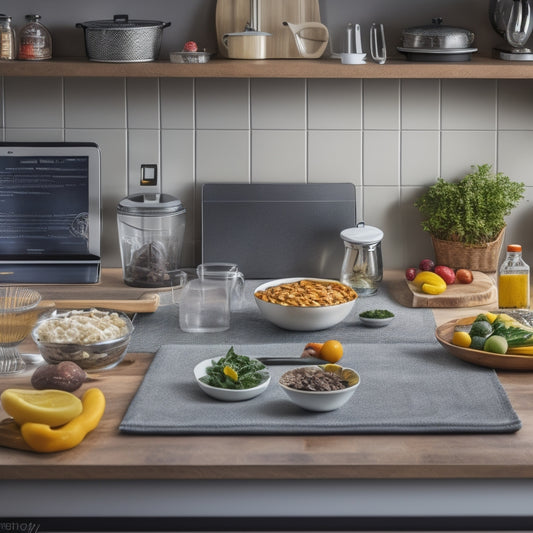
513, 281
362, 267
7, 38
35, 41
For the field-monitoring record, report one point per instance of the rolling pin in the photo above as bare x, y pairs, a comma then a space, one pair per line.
147, 303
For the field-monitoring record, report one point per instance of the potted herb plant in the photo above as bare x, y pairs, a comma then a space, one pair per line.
466, 218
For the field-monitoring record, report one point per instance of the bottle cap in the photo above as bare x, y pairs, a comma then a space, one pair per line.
514, 248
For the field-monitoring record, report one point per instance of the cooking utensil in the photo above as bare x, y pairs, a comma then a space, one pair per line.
512, 20
147, 303
436, 36
378, 46
122, 40
358, 45
233, 15
311, 38
290, 361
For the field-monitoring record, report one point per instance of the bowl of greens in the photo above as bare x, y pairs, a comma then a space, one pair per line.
376, 318
233, 377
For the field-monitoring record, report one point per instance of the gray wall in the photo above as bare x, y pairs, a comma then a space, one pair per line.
391, 138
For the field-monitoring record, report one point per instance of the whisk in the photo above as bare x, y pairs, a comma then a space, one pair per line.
378, 47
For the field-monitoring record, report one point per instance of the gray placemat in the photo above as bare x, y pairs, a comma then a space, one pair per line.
247, 325
405, 388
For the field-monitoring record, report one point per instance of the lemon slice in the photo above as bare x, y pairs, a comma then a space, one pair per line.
350, 376
334, 369
49, 406
228, 371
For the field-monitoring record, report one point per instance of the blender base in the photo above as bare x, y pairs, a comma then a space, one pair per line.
524, 54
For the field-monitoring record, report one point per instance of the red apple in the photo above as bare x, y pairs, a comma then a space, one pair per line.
410, 273
464, 275
427, 265
446, 273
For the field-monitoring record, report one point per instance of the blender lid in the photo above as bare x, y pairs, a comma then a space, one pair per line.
150, 204
362, 234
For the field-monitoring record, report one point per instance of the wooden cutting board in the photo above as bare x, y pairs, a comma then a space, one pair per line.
232, 16
482, 291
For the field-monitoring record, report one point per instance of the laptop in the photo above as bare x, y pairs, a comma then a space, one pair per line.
50, 221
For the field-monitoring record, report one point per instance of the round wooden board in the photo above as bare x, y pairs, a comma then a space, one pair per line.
444, 335
481, 292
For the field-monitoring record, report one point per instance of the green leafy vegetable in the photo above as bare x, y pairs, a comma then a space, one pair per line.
251, 372
471, 210
377, 313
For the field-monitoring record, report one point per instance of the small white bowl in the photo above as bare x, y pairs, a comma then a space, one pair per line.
376, 322
297, 318
320, 401
226, 395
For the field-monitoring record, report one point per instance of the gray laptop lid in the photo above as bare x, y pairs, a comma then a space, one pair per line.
277, 230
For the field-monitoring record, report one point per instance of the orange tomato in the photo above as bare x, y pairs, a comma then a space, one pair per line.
331, 351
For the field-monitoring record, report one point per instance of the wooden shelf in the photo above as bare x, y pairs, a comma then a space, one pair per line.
479, 67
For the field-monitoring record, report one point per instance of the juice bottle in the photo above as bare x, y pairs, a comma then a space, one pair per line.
513, 281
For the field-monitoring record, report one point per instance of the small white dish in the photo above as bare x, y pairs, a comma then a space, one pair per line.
320, 401
376, 322
226, 395
352, 59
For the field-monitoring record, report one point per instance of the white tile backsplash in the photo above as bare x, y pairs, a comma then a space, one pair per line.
335, 104
278, 156
469, 104
391, 138
278, 104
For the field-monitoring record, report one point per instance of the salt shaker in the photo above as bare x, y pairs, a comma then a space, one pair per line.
7, 38
35, 41
362, 267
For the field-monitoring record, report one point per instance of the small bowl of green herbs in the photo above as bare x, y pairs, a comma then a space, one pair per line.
376, 318
232, 378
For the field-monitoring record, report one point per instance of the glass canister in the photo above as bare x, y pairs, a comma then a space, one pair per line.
151, 229
35, 41
362, 267
8, 43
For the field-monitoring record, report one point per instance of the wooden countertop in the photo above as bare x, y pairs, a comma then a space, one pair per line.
107, 454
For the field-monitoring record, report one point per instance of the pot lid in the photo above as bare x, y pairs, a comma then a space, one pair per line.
150, 205
122, 22
362, 234
435, 28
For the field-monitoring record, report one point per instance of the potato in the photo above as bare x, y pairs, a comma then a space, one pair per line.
65, 376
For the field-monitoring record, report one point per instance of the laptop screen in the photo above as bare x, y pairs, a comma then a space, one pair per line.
47, 201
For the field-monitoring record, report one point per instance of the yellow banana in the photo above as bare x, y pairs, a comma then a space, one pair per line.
429, 282
520, 350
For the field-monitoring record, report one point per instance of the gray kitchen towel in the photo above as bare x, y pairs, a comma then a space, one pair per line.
248, 325
404, 388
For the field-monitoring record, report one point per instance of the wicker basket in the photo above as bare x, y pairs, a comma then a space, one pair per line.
484, 257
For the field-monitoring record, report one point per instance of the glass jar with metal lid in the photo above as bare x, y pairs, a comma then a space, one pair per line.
362, 267
151, 230
35, 41
8, 43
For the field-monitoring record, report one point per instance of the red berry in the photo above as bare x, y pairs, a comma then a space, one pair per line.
427, 265
190, 46
446, 273
410, 274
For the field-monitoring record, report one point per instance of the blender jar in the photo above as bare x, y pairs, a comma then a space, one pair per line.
151, 228
362, 267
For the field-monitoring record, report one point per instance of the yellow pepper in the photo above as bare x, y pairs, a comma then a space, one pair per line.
43, 438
